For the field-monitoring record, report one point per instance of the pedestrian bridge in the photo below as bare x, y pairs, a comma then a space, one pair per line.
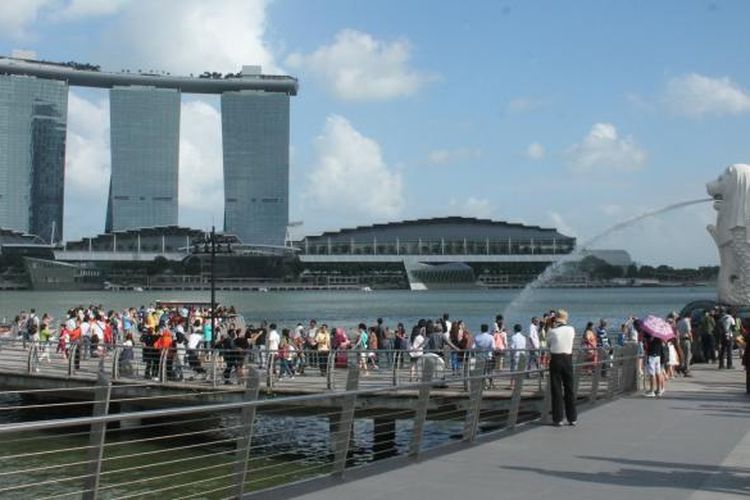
693, 443
93, 432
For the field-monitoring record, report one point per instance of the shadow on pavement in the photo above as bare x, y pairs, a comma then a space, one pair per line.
654, 474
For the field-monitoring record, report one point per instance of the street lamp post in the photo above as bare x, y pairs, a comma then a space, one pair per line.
211, 244
213, 282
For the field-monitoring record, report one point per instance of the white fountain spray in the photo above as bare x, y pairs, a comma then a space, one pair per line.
554, 269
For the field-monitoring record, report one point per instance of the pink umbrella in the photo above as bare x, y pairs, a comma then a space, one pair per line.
657, 327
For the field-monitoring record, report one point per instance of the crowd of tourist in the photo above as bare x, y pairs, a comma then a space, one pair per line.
183, 336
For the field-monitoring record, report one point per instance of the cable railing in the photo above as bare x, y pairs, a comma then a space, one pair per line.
284, 372
270, 447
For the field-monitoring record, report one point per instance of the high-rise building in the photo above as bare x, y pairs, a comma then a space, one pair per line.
255, 141
33, 116
145, 144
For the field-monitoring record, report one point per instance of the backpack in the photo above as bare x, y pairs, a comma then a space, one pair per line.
31, 325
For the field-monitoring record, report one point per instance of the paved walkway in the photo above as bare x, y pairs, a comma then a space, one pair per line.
694, 443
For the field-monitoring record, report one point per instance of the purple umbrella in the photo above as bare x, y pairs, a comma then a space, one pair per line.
657, 327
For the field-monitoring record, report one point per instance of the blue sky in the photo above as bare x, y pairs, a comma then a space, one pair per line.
575, 115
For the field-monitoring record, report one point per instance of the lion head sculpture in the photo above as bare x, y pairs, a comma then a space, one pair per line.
732, 194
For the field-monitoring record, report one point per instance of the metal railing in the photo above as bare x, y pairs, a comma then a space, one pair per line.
302, 370
257, 446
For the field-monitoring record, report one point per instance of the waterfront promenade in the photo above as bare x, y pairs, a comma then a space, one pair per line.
694, 443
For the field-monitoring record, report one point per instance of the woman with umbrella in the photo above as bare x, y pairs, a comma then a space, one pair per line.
656, 331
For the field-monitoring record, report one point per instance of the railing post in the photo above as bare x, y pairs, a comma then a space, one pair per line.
214, 366
32, 360
116, 363
631, 382
515, 399
341, 422
465, 369
547, 404
420, 414
578, 369
269, 371
163, 365
72, 353
595, 377
613, 384
395, 359
247, 418
476, 384
97, 437
330, 368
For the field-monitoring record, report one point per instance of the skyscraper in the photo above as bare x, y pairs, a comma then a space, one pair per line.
255, 141
145, 144
33, 117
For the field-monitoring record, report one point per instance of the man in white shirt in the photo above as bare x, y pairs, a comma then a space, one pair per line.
517, 347
685, 332
273, 339
533, 344
560, 340
725, 332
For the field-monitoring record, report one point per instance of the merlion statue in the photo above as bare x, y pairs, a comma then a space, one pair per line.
731, 192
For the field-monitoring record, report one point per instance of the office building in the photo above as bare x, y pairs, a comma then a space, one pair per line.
33, 116
255, 128
145, 147
144, 144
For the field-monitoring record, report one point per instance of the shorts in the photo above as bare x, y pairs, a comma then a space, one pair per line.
653, 365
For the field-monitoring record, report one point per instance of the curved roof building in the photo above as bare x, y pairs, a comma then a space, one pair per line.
436, 251
440, 237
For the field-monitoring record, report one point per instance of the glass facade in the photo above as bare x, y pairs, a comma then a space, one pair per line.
255, 141
33, 117
145, 144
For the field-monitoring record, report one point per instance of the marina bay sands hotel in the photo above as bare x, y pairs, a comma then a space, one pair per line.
144, 144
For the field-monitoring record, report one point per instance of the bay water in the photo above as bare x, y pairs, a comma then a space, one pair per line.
304, 440
348, 308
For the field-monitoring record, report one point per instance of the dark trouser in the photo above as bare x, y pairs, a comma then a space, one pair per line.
725, 352
385, 356
194, 362
687, 355
709, 353
533, 360
323, 361
231, 364
151, 360
561, 380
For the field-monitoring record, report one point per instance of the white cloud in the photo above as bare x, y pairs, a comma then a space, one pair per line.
201, 189
522, 104
697, 95
612, 209
358, 67
472, 207
82, 9
561, 225
350, 174
16, 15
87, 156
23, 53
535, 151
603, 150
190, 36
453, 156
87, 165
